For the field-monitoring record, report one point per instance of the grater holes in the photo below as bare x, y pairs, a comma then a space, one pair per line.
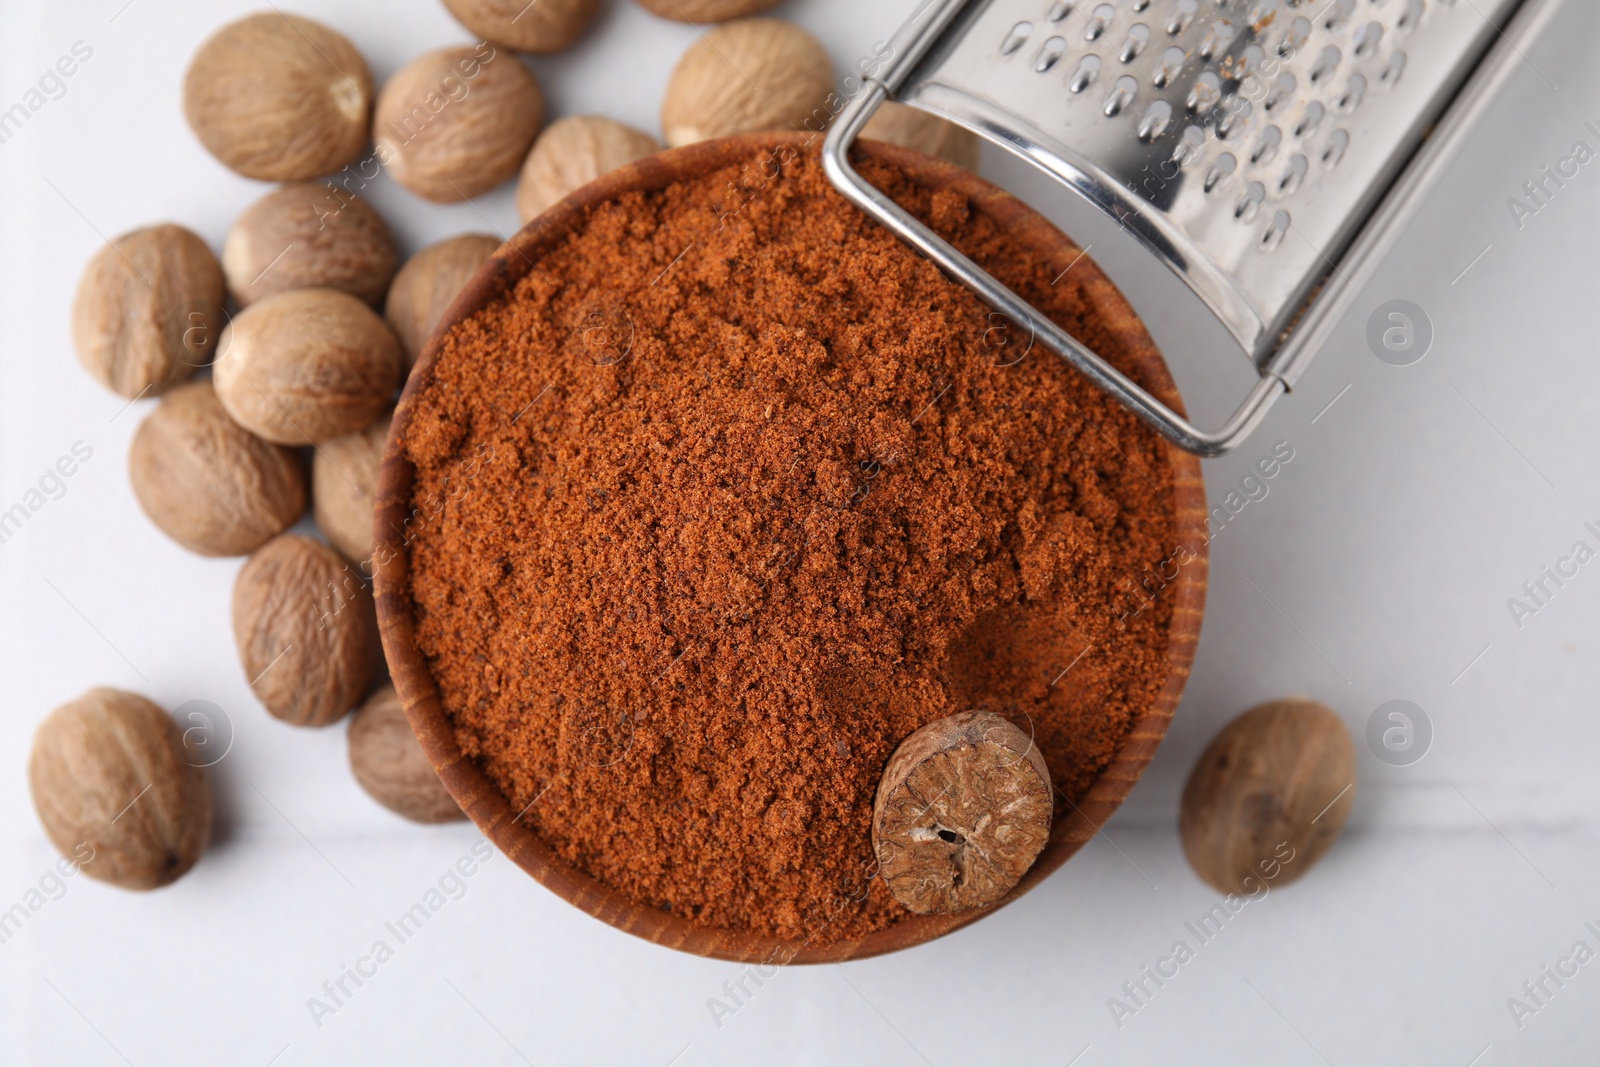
1368, 39
1267, 147
1218, 36
1190, 145
1410, 16
1249, 204
1338, 142
1121, 95
1326, 64
1262, 12
1309, 121
1182, 15
1081, 78
1294, 172
1016, 38
1283, 87
1059, 10
1050, 54
1155, 120
1298, 34
1273, 235
1205, 92
1249, 61
1233, 111
1220, 171
1140, 5
1133, 44
1355, 90
1339, 13
1098, 21
1395, 67
1172, 61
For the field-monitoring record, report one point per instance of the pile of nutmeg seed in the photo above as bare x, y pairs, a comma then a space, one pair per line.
309, 330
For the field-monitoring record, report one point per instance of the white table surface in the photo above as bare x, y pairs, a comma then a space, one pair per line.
1414, 507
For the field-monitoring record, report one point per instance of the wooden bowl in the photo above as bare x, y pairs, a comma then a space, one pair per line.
483, 802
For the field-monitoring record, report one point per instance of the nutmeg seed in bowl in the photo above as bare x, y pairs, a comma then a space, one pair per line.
748, 76
344, 477
304, 625
279, 97
207, 482
571, 153
457, 122
305, 366
115, 791
305, 235
148, 310
546, 26
426, 285
387, 760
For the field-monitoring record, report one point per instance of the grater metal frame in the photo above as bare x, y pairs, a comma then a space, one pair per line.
1307, 319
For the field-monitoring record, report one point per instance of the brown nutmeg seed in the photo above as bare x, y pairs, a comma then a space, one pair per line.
116, 791
929, 134
573, 152
279, 97
388, 761
427, 285
706, 10
963, 809
344, 483
748, 76
306, 631
546, 26
306, 366
148, 310
457, 122
1268, 797
306, 235
207, 482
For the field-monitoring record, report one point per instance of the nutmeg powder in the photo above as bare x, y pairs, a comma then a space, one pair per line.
734, 492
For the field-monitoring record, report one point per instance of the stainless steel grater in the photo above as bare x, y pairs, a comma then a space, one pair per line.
1267, 151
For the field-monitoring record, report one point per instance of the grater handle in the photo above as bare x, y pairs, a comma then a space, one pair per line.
1171, 425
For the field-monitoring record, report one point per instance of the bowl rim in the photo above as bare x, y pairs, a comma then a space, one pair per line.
488, 808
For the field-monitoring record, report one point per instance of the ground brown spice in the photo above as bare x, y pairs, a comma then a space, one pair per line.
733, 501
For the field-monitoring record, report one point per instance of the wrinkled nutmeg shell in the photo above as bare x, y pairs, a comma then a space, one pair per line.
986, 822
929, 134
306, 631
388, 761
1268, 797
148, 310
306, 366
207, 482
426, 286
344, 483
547, 26
749, 76
115, 792
457, 122
279, 97
573, 152
306, 235
706, 10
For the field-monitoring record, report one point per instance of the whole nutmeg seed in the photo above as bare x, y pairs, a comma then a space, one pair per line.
207, 482
117, 792
706, 10
457, 122
749, 76
306, 631
344, 482
426, 286
279, 97
306, 235
573, 152
546, 26
148, 310
388, 761
306, 366
1268, 797
928, 134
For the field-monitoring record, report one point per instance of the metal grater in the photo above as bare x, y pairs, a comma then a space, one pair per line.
1267, 151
